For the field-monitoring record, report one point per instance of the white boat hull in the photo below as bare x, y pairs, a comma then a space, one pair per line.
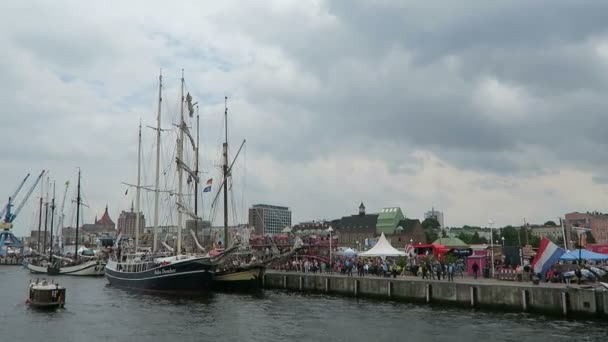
89, 268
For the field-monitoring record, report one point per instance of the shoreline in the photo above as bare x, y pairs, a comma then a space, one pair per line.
563, 300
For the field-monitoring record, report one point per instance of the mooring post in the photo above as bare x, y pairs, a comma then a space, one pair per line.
356, 287
565, 303
472, 294
427, 288
524, 300
389, 288
284, 282
327, 284
301, 283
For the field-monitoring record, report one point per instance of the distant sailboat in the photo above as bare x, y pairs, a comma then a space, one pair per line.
57, 265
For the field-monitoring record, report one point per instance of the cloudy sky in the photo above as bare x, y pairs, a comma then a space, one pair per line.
481, 109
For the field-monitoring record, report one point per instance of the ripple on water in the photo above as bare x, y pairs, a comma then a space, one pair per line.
95, 311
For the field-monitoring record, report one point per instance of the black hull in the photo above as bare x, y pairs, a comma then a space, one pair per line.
182, 278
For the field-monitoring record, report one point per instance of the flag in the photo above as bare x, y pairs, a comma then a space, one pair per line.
409, 250
208, 185
548, 254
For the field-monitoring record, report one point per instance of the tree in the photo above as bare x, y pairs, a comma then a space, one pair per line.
431, 236
430, 224
590, 238
550, 224
431, 229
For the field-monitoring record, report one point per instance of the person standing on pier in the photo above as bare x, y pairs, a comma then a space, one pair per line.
475, 268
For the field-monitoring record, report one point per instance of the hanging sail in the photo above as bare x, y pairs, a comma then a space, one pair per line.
185, 167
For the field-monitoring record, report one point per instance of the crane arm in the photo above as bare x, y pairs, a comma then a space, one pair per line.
12, 198
27, 195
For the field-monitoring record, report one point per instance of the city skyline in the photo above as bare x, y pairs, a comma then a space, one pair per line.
481, 110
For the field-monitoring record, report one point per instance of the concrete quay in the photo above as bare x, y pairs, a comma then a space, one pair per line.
551, 299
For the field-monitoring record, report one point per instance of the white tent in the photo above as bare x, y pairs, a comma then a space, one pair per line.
382, 248
348, 252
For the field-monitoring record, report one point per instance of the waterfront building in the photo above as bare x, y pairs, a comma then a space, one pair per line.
388, 220
353, 230
90, 232
596, 221
269, 219
435, 214
127, 221
552, 233
408, 230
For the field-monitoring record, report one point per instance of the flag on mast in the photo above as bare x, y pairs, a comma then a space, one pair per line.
208, 185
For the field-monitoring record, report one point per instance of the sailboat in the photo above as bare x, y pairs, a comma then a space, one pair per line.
57, 265
155, 272
243, 272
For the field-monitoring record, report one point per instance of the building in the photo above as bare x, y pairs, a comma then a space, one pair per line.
437, 215
407, 231
89, 233
353, 230
550, 232
269, 219
388, 220
596, 221
127, 221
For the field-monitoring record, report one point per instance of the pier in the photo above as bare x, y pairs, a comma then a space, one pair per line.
545, 298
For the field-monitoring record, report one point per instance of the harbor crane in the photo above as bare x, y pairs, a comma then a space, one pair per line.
10, 217
12, 198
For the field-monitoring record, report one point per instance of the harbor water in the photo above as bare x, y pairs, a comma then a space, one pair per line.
96, 312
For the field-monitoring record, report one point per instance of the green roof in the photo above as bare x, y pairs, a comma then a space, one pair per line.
450, 242
388, 220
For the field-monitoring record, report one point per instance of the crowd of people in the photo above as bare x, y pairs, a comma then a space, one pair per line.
388, 267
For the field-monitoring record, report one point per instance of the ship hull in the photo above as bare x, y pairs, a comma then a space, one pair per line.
188, 277
244, 279
91, 268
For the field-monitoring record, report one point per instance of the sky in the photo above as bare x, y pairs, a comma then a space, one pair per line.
478, 109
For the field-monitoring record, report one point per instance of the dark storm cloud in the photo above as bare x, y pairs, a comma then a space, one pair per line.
369, 91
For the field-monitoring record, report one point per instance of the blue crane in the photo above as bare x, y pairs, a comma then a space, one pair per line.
12, 198
10, 217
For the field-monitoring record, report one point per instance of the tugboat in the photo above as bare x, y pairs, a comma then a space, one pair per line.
45, 295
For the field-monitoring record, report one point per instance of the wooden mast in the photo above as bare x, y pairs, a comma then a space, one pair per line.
156, 184
180, 175
52, 217
77, 215
138, 189
226, 242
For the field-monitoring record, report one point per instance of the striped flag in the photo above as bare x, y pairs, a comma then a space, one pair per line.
548, 254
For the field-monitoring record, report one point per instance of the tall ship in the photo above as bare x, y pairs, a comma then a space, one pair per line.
155, 271
242, 270
55, 264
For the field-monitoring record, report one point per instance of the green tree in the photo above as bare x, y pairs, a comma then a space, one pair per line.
534, 241
550, 224
430, 224
590, 238
431, 236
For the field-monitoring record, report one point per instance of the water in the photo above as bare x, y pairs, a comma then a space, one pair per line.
96, 312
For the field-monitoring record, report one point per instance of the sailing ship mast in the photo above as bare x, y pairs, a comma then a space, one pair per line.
40, 216
156, 185
46, 215
77, 216
180, 175
196, 171
138, 189
225, 169
52, 217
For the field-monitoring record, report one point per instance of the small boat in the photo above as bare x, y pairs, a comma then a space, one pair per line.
45, 295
